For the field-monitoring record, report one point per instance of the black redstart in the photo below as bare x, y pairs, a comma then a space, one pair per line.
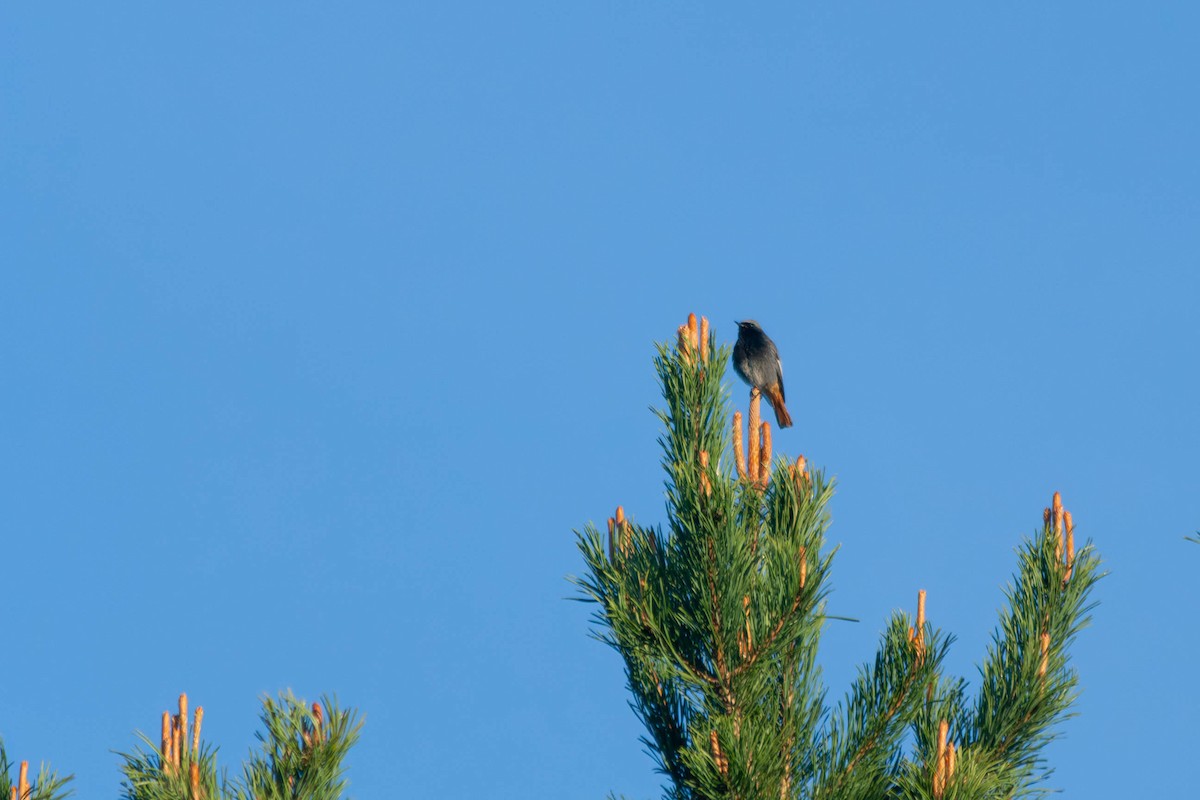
757, 362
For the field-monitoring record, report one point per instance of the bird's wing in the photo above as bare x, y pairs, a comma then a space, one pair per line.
779, 371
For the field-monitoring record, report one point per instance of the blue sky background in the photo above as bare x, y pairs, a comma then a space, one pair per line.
322, 326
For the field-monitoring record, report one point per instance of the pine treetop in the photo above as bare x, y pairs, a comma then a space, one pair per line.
718, 618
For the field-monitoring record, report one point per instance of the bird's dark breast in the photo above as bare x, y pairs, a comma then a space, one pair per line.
749, 354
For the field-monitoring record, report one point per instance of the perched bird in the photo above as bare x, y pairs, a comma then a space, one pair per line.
757, 362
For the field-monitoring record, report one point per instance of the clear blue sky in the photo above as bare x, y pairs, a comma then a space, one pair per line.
323, 325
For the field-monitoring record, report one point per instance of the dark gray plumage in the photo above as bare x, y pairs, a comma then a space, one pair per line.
756, 360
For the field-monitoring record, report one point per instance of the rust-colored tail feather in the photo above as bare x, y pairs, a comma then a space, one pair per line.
775, 398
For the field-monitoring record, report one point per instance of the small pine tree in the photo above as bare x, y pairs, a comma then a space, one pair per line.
718, 619
46, 786
302, 752
303, 749
181, 767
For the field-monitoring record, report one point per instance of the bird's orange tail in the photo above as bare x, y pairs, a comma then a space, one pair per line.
775, 398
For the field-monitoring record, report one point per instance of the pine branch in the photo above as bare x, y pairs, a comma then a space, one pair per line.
179, 767
47, 786
866, 729
1028, 684
303, 749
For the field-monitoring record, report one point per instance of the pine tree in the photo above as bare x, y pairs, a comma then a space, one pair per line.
719, 616
303, 749
48, 785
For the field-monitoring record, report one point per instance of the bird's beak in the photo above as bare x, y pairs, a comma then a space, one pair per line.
735, 322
